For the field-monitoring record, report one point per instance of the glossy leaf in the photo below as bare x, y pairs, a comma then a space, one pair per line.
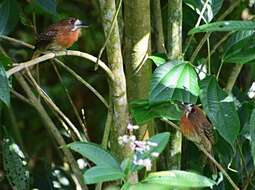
100, 174
174, 80
95, 154
224, 26
9, 16
212, 8
177, 178
142, 111
220, 109
252, 133
4, 86
49, 6
15, 165
158, 59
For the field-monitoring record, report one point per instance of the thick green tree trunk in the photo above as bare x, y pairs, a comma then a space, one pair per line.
136, 49
118, 85
174, 48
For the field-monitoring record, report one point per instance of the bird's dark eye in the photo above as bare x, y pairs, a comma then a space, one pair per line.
192, 110
72, 20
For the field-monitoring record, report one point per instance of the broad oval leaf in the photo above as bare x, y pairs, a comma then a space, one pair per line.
142, 111
220, 109
95, 154
9, 16
175, 80
252, 133
224, 26
177, 178
212, 8
100, 174
4, 86
49, 6
15, 165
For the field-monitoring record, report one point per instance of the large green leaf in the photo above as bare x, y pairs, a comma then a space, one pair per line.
177, 178
142, 111
49, 6
224, 26
4, 86
220, 109
95, 153
212, 8
100, 174
174, 80
9, 16
15, 165
252, 133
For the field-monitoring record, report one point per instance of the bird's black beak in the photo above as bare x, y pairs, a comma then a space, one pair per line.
82, 24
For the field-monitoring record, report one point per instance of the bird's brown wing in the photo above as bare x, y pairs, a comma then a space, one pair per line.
46, 37
208, 130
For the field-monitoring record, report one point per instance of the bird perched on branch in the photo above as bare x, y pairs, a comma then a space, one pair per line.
59, 36
195, 127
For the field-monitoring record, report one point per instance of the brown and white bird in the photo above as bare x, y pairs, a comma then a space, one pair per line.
59, 36
195, 127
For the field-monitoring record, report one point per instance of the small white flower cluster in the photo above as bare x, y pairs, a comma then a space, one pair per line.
139, 148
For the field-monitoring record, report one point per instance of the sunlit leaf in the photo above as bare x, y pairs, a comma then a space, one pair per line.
174, 80
158, 59
220, 109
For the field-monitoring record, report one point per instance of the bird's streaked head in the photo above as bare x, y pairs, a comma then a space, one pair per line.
77, 24
188, 108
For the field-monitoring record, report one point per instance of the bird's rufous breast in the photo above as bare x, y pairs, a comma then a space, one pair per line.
67, 39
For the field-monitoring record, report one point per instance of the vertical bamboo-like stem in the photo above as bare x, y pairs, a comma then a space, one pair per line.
137, 47
52, 128
118, 85
157, 26
174, 48
174, 29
